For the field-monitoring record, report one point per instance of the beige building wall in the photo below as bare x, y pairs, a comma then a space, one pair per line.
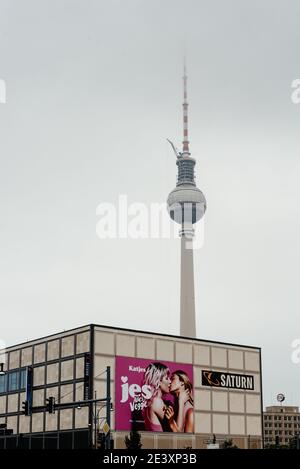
58, 363
228, 413
58, 370
40, 353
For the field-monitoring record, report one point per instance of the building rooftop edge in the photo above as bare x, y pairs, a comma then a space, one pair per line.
91, 325
276, 408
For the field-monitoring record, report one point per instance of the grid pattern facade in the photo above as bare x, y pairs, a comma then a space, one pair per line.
58, 370
282, 422
227, 413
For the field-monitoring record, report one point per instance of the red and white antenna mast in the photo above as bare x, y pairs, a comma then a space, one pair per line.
185, 105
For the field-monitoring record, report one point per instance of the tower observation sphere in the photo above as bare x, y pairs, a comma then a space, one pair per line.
186, 203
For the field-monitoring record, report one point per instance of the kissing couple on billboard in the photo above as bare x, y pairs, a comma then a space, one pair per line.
161, 415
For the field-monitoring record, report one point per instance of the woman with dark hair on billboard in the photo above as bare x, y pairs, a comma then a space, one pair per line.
157, 378
181, 417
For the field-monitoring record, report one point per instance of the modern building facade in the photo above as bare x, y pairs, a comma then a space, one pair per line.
282, 422
71, 365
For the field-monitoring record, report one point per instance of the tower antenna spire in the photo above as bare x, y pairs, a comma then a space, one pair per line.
185, 105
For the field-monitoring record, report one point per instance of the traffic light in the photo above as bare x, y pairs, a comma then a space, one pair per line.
26, 407
277, 444
50, 405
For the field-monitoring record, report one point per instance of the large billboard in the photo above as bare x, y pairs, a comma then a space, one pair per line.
227, 380
154, 396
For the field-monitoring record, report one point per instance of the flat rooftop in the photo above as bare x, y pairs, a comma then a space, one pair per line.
132, 331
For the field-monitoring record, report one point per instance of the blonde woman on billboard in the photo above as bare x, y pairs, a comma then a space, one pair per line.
181, 417
157, 378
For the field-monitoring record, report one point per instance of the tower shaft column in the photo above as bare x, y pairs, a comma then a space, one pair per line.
187, 293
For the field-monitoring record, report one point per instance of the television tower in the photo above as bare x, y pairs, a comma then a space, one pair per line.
186, 206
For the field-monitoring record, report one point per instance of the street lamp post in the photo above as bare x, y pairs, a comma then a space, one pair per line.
108, 407
95, 419
107, 404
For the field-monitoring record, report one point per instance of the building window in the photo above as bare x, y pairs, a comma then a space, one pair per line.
3, 381
23, 375
13, 381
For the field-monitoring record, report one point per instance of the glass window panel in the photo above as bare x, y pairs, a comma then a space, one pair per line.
13, 379
22, 379
3, 382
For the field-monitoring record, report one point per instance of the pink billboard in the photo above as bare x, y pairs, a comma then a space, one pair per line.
154, 396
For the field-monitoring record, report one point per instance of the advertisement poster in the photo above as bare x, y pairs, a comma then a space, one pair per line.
154, 396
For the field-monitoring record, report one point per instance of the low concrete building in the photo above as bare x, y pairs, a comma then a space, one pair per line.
225, 381
282, 422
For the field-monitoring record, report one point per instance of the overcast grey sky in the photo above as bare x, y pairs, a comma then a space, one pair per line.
94, 89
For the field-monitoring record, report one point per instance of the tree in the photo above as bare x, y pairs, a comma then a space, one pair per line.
133, 442
294, 442
273, 446
228, 444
